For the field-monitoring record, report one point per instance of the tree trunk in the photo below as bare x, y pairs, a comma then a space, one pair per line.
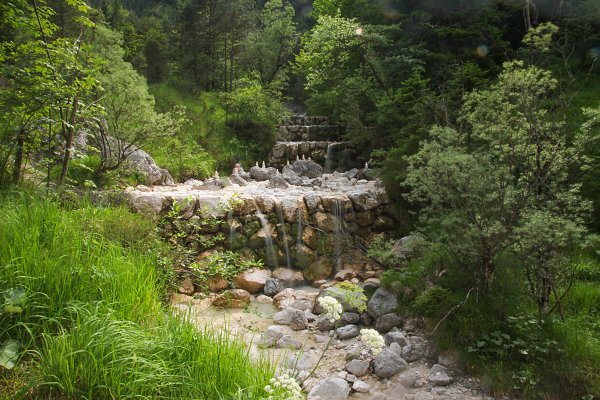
18, 165
69, 139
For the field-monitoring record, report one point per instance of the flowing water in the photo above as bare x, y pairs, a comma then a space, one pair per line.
299, 237
285, 242
230, 222
269, 248
329, 158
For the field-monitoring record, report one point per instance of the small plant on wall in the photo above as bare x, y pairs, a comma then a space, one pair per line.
224, 265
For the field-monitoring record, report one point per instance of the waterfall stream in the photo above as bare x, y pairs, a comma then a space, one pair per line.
279, 212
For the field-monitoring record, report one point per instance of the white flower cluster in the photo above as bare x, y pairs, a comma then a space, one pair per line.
333, 308
372, 339
284, 387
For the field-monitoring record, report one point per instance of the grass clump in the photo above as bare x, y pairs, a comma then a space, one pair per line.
80, 303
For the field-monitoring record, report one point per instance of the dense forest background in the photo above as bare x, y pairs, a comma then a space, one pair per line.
482, 118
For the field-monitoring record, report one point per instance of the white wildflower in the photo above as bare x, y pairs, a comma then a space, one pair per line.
333, 308
284, 387
372, 339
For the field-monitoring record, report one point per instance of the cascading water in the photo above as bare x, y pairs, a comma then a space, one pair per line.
230, 222
279, 212
338, 221
299, 237
329, 158
269, 248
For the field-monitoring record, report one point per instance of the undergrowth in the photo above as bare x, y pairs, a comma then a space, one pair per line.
80, 312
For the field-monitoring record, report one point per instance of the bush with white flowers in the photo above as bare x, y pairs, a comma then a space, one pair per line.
372, 339
333, 308
284, 387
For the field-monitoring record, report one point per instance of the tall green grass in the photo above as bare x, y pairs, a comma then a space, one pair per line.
80, 293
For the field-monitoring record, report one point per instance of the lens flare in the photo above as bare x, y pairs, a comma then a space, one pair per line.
482, 50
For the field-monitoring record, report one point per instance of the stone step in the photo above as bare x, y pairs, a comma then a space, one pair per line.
290, 133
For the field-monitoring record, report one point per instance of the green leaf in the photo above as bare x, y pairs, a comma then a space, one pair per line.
9, 353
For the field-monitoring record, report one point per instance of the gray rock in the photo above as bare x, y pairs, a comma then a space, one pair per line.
312, 202
353, 352
284, 317
349, 318
353, 173
277, 182
305, 362
288, 342
358, 367
271, 336
383, 302
140, 161
364, 200
347, 332
351, 378
325, 324
413, 351
366, 319
386, 322
330, 389
361, 387
396, 348
439, 378
238, 180
307, 168
272, 287
262, 174
395, 337
436, 368
299, 321
387, 364
310, 317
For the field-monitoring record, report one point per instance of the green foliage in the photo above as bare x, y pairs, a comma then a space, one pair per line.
352, 295
269, 50
430, 301
505, 184
253, 113
80, 293
226, 265
381, 250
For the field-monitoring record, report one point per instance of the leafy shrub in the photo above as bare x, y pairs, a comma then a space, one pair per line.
352, 295
431, 301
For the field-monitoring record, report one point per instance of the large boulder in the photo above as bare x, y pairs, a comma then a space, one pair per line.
307, 168
388, 363
252, 280
295, 319
330, 389
273, 286
288, 276
387, 322
364, 200
284, 299
140, 161
382, 302
318, 270
262, 174
348, 299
